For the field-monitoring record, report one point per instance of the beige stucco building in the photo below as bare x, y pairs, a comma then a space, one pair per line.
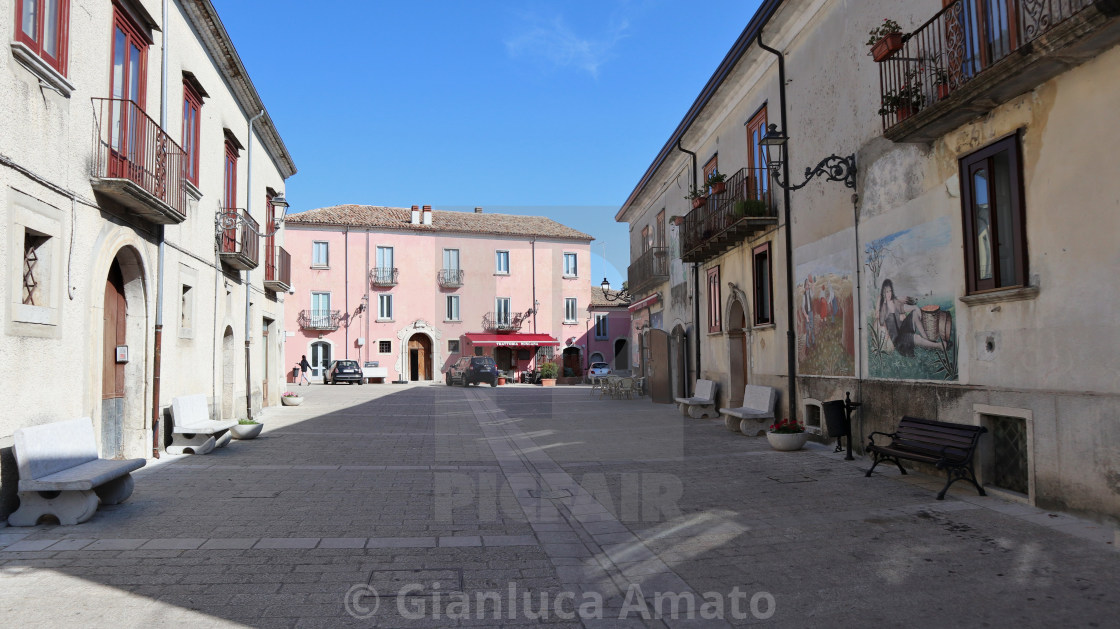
125, 133
967, 277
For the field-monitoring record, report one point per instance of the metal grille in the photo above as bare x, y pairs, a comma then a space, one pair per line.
1009, 453
30, 268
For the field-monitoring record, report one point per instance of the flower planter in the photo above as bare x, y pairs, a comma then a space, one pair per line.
501, 380
942, 91
787, 441
718, 187
903, 113
698, 201
548, 382
291, 400
246, 431
886, 47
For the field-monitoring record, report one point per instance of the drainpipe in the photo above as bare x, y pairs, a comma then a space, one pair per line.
689, 382
248, 285
533, 245
157, 361
791, 339
366, 281
346, 283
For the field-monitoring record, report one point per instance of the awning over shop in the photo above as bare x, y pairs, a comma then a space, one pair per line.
511, 340
645, 303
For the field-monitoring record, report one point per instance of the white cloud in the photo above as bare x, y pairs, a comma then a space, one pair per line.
553, 41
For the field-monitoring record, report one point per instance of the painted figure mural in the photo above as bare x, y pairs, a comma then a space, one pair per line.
825, 319
910, 337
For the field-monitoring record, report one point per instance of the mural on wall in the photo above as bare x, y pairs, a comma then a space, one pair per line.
826, 317
910, 331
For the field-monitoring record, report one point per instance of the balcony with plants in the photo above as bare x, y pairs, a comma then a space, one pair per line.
731, 211
504, 322
972, 56
650, 269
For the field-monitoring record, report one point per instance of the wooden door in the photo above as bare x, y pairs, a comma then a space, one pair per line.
112, 373
420, 357
265, 371
658, 376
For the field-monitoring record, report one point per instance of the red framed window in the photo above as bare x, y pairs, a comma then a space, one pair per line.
270, 229
229, 196
130, 58
763, 286
711, 167
714, 301
995, 244
44, 27
192, 106
759, 178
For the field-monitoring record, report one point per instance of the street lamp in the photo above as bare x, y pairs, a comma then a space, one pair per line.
834, 167
622, 295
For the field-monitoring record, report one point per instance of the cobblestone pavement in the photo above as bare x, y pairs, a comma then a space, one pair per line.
451, 502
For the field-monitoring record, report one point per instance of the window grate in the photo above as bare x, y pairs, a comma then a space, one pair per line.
30, 269
1009, 453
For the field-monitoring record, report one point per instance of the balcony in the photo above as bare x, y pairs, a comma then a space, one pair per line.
136, 164
744, 208
449, 278
319, 319
238, 241
651, 268
973, 56
278, 271
383, 276
503, 322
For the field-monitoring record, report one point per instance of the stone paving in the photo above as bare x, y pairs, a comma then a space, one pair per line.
483, 506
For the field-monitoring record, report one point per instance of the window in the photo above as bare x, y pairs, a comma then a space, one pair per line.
452, 307
230, 191
570, 310
383, 274
501, 310
713, 300
660, 241
384, 347
42, 25
571, 269
451, 259
320, 310
763, 286
710, 168
992, 200
320, 254
601, 326
501, 266
35, 264
192, 105
385, 307
645, 239
384, 257
453, 346
759, 180
186, 309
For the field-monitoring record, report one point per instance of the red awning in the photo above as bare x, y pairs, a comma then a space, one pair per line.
645, 303
511, 340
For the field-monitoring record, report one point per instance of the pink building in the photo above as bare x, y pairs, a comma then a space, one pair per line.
413, 290
608, 330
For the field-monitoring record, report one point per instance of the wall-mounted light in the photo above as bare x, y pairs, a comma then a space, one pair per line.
622, 295
836, 168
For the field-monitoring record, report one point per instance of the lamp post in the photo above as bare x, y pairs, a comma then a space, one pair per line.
622, 295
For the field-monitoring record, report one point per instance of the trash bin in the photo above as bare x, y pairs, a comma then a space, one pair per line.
835, 419
295, 374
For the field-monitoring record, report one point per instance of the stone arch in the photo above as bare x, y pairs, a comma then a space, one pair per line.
736, 323
418, 326
123, 323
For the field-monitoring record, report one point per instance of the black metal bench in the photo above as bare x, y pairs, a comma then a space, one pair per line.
946, 446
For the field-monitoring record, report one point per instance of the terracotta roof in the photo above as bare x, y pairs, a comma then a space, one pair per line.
442, 221
598, 300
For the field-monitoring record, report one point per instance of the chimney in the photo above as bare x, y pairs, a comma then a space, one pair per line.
478, 210
416, 215
427, 215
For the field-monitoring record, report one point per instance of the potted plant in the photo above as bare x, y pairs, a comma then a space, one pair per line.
905, 100
717, 182
787, 436
289, 398
501, 378
548, 374
753, 208
885, 40
941, 80
697, 197
246, 429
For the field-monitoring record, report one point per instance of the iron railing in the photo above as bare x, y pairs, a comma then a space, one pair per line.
449, 278
959, 43
503, 321
383, 276
131, 146
319, 319
278, 271
650, 268
730, 215
239, 239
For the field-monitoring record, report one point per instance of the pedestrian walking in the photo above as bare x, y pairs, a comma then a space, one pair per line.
303, 367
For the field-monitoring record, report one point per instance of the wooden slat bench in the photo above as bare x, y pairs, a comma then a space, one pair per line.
703, 401
756, 413
944, 445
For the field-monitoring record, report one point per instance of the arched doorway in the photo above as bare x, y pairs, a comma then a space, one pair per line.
572, 368
320, 357
621, 355
124, 364
229, 377
113, 379
737, 352
419, 357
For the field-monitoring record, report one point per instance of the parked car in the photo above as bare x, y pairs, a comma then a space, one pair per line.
343, 371
472, 370
599, 370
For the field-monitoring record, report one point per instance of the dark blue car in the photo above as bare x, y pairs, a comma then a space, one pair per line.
472, 370
344, 371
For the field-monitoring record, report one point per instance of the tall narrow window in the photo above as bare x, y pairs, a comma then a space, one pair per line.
645, 239
992, 200
570, 314
660, 239
385, 307
502, 311
710, 169
192, 105
320, 254
763, 286
501, 265
43, 26
452, 307
758, 178
126, 86
601, 327
34, 268
571, 269
713, 300
320, 310
383, 272
229, 196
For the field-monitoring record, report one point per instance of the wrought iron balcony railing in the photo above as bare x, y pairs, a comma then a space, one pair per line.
502, 322
238, 239
383, 276
746, 206
319, 319
278, 271
973, 55
651, 268
136, 163
449, 278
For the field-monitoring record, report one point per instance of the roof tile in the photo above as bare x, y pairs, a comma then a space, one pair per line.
399, 218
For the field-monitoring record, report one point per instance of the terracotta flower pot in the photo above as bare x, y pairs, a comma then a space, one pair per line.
698, 201
886, 47
904, 112
719, 187
501, 381
942, 91
787, 441
548, 382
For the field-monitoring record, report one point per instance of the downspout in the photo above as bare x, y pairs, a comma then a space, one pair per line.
366, 281
859, 316
248, 285
157, 361
346, 284
689, 382
791, 339
533, 245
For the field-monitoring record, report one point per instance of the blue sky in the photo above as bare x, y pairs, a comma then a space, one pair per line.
529, 107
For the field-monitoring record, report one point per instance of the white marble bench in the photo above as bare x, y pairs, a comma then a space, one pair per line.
61, 475
756, 413
702, 403
193, 432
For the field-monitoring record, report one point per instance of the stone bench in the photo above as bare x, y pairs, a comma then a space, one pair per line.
61, 475
756, 413
702, 403
193, 432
